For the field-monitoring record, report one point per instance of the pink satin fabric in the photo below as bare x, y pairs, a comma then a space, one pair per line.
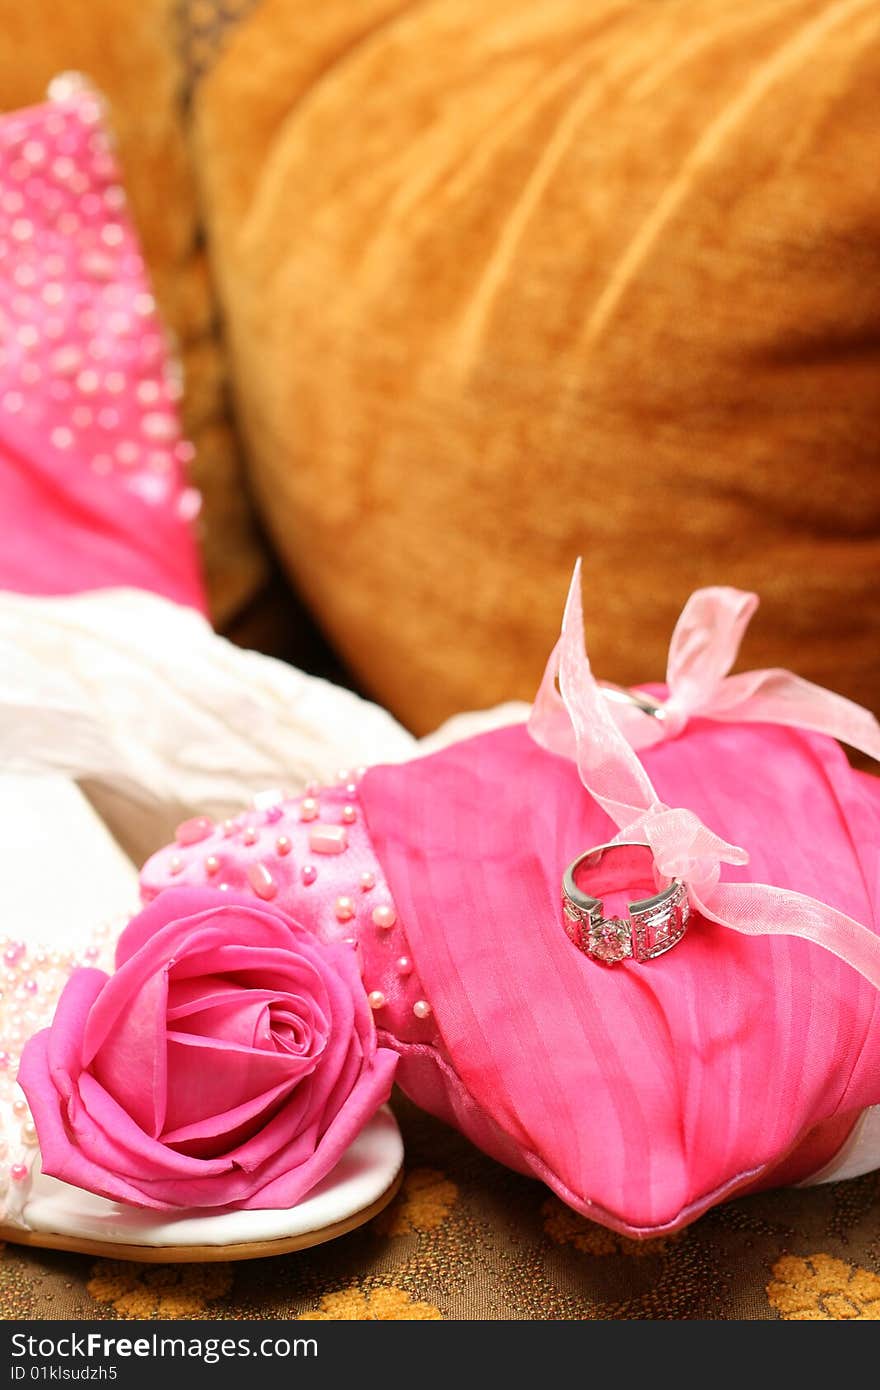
641, 1094
92, 485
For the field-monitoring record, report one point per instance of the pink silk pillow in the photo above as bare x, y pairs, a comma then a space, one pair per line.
641, 1094
92, 487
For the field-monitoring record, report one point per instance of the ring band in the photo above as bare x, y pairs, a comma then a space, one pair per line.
654, 924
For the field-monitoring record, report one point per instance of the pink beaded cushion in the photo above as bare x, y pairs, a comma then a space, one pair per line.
91, 455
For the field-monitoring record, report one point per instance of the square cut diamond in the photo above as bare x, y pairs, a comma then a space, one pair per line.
659, 928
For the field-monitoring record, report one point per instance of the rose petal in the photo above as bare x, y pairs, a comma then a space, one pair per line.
178, 905
131, 1061
107, 1135
310, 1108
244, 1021
208, 1077
69, 1024
204, 937
288, 1183
222, 1134
61, 1155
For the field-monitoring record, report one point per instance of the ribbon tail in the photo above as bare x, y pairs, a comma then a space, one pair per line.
548, 722
756, 909
777, 696
607, 765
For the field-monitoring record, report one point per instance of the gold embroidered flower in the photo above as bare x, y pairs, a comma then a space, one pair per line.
425, 1201
566, 1227
820, 1288
372, 1305
165, 1291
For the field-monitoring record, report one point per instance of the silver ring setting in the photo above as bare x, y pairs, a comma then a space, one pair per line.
654, 925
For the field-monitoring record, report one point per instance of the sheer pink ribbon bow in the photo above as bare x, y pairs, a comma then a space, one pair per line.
577, 721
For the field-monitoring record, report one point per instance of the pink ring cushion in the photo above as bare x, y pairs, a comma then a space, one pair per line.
641, 1095
91, 454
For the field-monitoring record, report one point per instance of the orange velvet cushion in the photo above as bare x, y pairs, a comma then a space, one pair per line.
508, 282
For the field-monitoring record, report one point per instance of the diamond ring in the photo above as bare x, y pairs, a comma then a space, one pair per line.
654, 924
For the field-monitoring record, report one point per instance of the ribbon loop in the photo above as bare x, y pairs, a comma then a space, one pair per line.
704, 646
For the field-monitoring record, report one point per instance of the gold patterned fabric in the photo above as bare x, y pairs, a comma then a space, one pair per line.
466, 1239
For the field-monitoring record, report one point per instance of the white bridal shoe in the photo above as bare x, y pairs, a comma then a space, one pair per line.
63, 874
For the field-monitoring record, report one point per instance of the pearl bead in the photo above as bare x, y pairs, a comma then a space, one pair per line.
308, 874
376, 999
273, 814
351, 788
368, 881
384, 917
283, 845
212, 864
194, 830
5, 1059
403, 965
228, 828
88, 381
344, 908
175, 864
18, 1172
66, 360
343, 775
349, 814
422, 1009
250, 835
308, 808
261, 881
31, 985
19, 1108
158, 426
29, 1133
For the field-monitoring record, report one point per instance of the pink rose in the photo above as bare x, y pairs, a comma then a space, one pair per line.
229, 1061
